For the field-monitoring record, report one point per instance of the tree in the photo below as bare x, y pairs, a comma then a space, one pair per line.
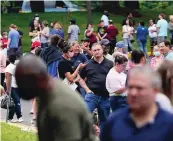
88, 4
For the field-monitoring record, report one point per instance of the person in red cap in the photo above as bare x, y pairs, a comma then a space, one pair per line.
34, 46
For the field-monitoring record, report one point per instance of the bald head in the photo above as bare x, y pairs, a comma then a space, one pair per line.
31, 73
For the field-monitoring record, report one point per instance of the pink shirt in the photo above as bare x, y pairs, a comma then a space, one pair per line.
2, 61
154, 63
115, 80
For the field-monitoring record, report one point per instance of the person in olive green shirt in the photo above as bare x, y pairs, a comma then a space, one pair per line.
62, 114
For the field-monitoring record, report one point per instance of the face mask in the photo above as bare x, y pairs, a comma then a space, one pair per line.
70, 54
6, 36
89, 28
156, 53
37, 18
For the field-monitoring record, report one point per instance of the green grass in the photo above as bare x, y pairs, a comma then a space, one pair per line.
22, 21
11, 133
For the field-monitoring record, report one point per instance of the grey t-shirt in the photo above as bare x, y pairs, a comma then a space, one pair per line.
74, 31
63, 116
43, 38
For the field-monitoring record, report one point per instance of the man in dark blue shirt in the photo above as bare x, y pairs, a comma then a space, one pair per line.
141, 36
144, 120
95, 72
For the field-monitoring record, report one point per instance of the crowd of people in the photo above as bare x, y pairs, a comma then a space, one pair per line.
128, 93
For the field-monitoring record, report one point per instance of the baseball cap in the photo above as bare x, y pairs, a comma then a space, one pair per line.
120, 44
104, 42
86, 39
35, 44
73, 21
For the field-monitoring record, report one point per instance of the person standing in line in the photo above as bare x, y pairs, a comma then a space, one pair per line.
129, 16
115, 83
105, 18
141, 36
144, 120
157, 59
162, 28
127, 31
59, 107
95, 73
44, 34
165, 49
73, 31
101, 30
170, 27
31, 24
152, 30
13, 89
57, 29
13, 40
86, 48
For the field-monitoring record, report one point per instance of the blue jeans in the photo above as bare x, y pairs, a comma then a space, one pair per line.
117, 102
101, 103
16, 99
142, 46
128, 43
82, 92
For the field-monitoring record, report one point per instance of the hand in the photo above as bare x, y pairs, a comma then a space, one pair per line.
88, 91
81, 66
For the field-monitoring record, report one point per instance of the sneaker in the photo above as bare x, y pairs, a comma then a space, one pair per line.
12, 121
20, 119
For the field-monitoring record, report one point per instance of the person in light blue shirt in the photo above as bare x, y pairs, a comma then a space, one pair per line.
165, 49
141, 36
13, 40
162, 28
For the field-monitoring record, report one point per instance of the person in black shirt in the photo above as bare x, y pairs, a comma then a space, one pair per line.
66, 67
95, 72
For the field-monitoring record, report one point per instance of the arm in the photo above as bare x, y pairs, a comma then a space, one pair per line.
89, 33
104, 35
83, 85
68, 36
8, 81
71, 77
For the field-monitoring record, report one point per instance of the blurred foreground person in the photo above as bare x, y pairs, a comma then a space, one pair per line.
62, 114
144, 120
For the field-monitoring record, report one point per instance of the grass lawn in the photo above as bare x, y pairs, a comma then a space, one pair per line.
11, 133
22, 21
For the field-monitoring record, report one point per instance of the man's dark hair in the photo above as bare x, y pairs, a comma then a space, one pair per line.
120, 59
38, 51
167, 43
162, 15
142, 23
65, 47
12, 58
136, 56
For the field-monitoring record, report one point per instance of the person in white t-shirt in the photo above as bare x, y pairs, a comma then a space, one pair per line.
128, 31
115, 83
44, 34
162, 28
105, 18
152, 30
12, 88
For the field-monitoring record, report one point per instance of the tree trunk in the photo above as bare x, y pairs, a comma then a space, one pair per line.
37, 6
89, 11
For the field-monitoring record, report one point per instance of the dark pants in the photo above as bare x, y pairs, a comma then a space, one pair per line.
171, 32
12, 51
43, 45
16, 99
117, 102
112, 46
101, 103
2, 79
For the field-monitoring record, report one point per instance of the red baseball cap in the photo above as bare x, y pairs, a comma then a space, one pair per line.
35, 44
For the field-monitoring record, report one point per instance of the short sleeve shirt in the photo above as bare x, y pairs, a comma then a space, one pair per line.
163, 27
14, 36
74, 31
65, 66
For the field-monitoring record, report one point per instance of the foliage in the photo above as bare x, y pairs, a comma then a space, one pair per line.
4, 6
11, 133
155, 5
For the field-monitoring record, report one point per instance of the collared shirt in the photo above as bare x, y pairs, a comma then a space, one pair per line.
169, 56
96, 76
121, 127
115, 80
